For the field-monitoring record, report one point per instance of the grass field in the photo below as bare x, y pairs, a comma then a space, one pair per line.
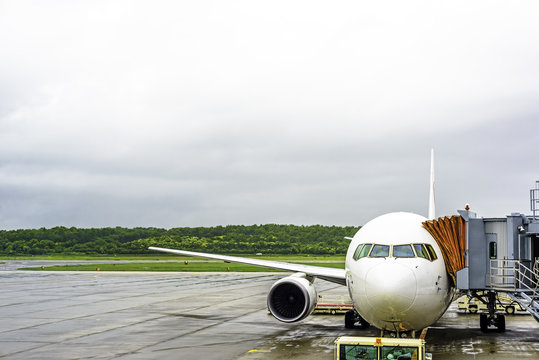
171, 266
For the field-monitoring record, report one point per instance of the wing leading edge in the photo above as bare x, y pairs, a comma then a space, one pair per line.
329, 274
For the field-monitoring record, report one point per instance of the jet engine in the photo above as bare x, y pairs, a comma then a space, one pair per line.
292, 298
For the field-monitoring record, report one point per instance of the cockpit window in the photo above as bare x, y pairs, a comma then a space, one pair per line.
425, 251
403, 251
365, 251
356, 253
431, 251
421, 251
380, 251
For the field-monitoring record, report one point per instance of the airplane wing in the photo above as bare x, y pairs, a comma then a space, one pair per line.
330, 274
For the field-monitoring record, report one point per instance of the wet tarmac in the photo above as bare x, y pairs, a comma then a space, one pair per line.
101, 315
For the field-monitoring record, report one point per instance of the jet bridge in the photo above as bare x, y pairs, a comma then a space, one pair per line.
485, 256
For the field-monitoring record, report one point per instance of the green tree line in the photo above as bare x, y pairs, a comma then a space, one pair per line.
231, 239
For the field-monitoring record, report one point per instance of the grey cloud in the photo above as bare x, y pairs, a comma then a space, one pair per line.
181, 114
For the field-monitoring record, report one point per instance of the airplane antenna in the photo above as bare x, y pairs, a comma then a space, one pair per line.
432, 196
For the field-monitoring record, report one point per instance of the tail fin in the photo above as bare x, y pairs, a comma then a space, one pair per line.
432, 196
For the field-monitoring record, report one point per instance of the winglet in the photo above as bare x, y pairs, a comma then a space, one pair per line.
432, 195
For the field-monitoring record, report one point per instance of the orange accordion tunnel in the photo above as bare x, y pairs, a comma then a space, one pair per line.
450, 234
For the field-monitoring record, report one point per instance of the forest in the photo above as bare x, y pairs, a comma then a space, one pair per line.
230, 239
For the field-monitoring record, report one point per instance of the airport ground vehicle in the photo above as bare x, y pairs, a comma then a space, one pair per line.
379, 348
503, 303
333, 304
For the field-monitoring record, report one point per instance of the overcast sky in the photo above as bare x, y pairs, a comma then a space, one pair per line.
195, 113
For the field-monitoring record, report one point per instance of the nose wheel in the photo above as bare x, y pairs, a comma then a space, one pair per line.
352, 320
491, 319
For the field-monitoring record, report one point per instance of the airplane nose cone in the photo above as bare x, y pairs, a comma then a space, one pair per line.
390, 288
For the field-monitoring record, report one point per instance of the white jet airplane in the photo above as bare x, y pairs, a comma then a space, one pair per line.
394, 271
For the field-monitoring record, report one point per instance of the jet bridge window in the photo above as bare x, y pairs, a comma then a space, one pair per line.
380, 251
403, 251
421, 251
493, 252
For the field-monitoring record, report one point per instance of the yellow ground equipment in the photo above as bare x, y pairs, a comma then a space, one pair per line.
503, 303
333, 304
379, 348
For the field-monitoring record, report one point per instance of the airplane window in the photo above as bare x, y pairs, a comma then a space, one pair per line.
421, 251
403, 251
356, 253
365, 251
432, 253
380, 251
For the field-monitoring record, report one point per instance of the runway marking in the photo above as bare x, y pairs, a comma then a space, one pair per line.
259, 351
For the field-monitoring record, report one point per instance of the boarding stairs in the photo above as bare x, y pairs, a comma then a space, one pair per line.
520, 280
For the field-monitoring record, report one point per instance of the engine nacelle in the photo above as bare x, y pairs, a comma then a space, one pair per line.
292, 298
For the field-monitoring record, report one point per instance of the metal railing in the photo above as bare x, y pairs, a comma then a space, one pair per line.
519, 279
514, 275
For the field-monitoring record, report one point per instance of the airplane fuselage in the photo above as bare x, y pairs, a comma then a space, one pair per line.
396, 274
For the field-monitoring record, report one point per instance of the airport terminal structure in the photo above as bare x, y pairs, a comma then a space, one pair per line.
487, 256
